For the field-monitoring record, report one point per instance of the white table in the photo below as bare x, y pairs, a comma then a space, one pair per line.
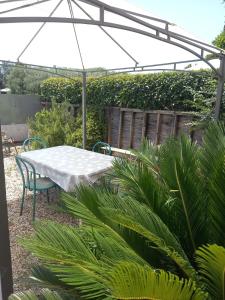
69, 166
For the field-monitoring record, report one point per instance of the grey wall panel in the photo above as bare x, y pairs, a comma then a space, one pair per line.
15, 109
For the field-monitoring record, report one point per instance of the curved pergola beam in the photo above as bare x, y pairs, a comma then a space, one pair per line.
22, 6
132, 17
107, 24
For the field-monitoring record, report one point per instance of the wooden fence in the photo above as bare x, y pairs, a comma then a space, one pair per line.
127, 127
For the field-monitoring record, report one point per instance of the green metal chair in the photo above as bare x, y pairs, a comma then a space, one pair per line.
27, 144
32, 183
106, 148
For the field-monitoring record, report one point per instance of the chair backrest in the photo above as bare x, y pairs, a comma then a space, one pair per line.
27, 144
27, 171
106, 148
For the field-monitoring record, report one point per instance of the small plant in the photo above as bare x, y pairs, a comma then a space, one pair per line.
53, 125
58, 127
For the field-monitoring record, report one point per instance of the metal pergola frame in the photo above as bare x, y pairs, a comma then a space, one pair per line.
141, 24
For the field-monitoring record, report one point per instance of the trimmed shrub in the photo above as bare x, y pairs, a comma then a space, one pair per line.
172, 90
62, 89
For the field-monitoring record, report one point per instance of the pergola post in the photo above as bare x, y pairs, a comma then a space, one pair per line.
6, 282
220, 87
84, 107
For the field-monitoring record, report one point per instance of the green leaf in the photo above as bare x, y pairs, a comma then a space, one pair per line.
45, 294
140, 179
179, 167
212, 162
143, 221
132, 281
211, 263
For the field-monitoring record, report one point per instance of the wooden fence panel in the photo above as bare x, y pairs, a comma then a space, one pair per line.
127, 127
184, 125
167, 127
151, 126
115, 119
137, 129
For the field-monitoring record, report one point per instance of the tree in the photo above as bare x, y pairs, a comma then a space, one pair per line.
4, 70
153, 236
22, 80
220, 40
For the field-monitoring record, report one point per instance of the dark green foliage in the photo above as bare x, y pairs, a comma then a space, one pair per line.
173, 91
61, 89
220, 40
58, 127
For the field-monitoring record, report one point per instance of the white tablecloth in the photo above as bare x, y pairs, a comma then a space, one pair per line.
69, 166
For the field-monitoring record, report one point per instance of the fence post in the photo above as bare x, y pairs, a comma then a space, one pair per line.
6, 282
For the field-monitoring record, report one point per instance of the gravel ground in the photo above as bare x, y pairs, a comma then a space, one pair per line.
20, 226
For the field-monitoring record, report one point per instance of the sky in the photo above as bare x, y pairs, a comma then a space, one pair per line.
204, 18
55, 45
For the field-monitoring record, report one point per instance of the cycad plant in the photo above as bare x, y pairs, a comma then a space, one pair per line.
160, 235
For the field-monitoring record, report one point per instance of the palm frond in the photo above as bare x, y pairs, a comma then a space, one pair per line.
61, 247
45, 294
109, 246
79, 209
86, 205
132, 281
139, 182
179, 168
43, 277
87, 283
141, 220
211, 263
147, 154
212, 162
112, 210
76, 259
63, 242
93, 200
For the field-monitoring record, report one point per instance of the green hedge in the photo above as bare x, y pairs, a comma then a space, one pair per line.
173, 90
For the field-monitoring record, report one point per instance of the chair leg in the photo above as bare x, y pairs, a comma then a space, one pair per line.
22, 202
34, 204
